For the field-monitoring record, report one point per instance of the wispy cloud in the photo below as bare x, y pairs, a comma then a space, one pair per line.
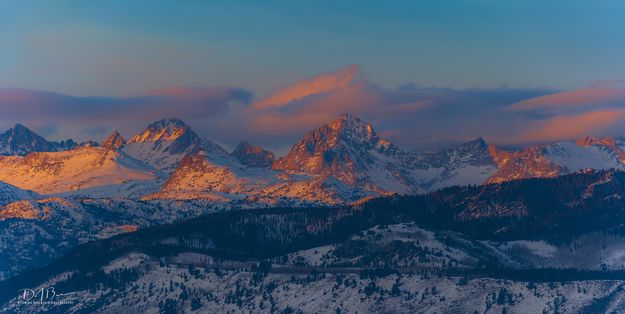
590, 96
558, 128
328, 82
411, 116
60, 116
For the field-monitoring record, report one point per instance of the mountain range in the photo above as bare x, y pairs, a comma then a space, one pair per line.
341, 197
53, 197
339, 162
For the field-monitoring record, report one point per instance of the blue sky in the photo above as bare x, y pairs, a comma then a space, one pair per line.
425, 73
124, 47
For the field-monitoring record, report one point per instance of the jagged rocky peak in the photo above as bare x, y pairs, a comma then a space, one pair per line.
478, 144
477, 150
349, 150
472, 153
347, 128
253, 156
350, 127
319, 147
342, 141
20, 140
114, 141
174, 136
163, 130
527, 163
21, 129
163, 144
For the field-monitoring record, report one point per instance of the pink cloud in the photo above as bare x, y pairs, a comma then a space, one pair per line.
579, 97
61, 116
323, 83
312, 111
573, 126
276, 124
411, 116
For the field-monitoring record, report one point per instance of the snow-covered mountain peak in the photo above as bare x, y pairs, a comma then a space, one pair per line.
351, 128
349, 150
165, 142
23, 134
478, 143
20, 140
342, 143
162, 130
114, 141
20, 128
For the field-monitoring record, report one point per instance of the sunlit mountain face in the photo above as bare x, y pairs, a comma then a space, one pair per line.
341, 161
312, 157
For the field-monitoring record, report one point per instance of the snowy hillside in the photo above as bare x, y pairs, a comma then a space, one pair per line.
81, 168
315, 281
557, 159
32, 233
147, 286
10, 193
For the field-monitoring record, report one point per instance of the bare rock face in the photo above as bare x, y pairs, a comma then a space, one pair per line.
20, 141
527, 163
114, 141
348, 149
253, 156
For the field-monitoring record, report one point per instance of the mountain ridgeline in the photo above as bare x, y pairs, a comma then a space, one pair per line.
20, 141
339, 162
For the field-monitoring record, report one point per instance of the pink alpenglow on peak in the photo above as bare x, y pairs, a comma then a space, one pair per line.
165, 142
162, 130
114, 141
